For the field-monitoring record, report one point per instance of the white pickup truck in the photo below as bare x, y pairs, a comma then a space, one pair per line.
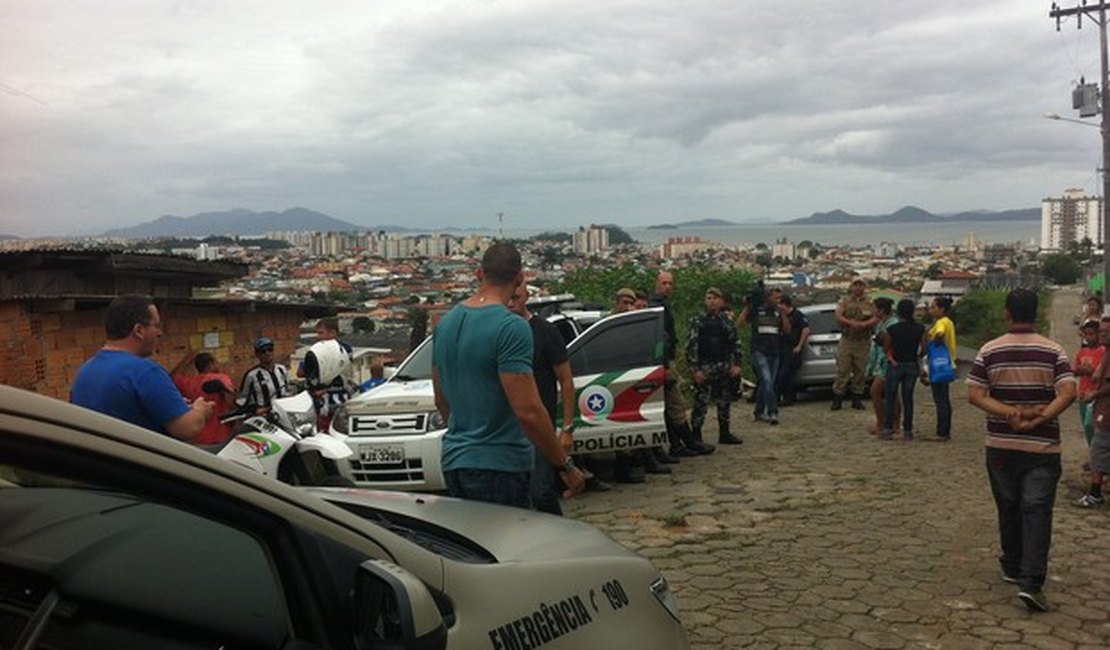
396, 432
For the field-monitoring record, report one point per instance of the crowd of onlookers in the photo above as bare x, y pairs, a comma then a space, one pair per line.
499, 370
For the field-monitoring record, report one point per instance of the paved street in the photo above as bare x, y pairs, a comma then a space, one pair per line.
815, 534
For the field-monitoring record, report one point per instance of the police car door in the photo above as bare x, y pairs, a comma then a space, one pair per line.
618, 381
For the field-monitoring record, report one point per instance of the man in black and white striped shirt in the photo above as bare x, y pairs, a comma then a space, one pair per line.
262, 383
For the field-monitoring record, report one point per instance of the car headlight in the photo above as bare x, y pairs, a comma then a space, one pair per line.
662, 592
340, 423
435, 422
300, 419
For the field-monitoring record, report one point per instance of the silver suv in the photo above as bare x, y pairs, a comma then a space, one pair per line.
396, 432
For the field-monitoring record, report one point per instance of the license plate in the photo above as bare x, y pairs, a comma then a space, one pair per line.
384, 455
826, 349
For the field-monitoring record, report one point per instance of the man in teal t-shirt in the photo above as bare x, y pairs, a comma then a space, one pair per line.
482, 374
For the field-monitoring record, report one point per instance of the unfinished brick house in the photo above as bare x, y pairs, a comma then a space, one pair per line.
52, 304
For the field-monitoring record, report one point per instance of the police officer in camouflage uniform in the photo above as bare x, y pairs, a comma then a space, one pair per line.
713, 354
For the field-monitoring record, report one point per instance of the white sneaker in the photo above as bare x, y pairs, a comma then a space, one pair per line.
1090, 501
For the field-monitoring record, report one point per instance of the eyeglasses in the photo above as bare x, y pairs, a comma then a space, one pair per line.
265, 349
627, 301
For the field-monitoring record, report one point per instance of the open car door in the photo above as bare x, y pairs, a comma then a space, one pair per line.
618, 382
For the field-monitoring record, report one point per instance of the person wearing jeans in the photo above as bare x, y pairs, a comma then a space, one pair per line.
769, 323
766, 366
1024, 489
1023, 381
904, 345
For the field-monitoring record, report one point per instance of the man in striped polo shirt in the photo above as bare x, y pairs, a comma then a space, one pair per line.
1023, 381
266, 381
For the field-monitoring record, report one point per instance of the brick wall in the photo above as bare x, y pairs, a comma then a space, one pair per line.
43, 351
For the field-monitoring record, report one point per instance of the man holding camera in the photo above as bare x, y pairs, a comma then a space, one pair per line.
769, 324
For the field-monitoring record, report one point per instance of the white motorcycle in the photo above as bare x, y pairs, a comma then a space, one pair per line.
285, 442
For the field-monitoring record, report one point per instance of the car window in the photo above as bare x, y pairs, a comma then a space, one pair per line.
822, 322
618, 345
109, 568
418, 365
566, 329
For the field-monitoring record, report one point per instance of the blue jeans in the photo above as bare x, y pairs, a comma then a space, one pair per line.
1024, 488
543, 486
902, 377
489, 485
944, 409
766, 367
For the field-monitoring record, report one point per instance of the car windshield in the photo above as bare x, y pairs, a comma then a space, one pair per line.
418, 365
822, 322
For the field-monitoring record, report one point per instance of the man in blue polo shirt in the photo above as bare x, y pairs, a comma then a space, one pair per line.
484, 387
120, 379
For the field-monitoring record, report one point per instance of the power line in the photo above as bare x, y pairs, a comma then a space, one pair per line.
11, 90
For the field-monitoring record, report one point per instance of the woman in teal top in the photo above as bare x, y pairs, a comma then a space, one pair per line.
877, 363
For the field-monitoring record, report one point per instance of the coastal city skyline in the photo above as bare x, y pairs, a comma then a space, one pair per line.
444, 114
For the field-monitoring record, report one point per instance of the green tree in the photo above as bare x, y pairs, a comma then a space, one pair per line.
564, 237
981, 316
1061, 268
598, 285
617, 235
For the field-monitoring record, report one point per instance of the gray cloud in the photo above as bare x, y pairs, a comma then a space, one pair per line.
555, 112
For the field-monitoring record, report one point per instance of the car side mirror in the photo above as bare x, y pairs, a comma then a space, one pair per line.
393, 609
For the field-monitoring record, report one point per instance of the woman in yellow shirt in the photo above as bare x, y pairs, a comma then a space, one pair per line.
942, 331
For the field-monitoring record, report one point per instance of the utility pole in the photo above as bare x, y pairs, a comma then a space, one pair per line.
501, 225
1097, 13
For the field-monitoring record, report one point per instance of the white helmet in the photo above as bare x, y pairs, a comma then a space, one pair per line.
325, 361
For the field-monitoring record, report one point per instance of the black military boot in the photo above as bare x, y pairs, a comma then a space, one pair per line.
857, 403
696, 444
651, 464
662, 456
674, 443
837, 403
625, 472
678, 435
724, 437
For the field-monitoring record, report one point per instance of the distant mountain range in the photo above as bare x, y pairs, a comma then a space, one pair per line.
908, 214
248, 222
241, 222
700, 223
911, 214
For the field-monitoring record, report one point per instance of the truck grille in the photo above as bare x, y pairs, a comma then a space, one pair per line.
391, 424
410, 470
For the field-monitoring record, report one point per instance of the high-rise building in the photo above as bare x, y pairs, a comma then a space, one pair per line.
679, 246
591, 240
1071, 219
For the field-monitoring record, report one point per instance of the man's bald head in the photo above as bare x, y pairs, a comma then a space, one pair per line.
664, 284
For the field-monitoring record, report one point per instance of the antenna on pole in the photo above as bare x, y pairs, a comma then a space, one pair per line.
500, 225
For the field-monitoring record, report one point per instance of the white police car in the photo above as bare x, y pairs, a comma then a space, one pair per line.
112, 536
396, 433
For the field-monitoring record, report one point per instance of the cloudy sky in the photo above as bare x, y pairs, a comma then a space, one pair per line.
554, 112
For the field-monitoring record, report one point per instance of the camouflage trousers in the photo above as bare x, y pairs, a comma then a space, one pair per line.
719, 389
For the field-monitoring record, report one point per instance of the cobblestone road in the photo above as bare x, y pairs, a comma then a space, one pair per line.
815, 534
